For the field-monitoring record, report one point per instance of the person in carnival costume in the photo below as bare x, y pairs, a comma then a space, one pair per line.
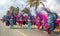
29, 23
38, 20
21, 21
38, 23
51, 20
14, 17
11, 22
7, 18
31, 17
44, 21
57, 21
25, 18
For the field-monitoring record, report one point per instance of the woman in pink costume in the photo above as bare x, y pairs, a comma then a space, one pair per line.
57, 22
19, 20
38, 23
45, 21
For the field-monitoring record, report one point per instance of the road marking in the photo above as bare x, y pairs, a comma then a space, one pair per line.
21, 33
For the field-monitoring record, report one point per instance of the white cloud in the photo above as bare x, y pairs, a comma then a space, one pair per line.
2, 2
21, 3
53, 5
4, 5
2, 12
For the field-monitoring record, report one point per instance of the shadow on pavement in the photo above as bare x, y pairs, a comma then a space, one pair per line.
22, 28
56, 34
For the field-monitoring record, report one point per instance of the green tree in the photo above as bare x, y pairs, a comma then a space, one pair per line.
14, 10
26, 10
35, 3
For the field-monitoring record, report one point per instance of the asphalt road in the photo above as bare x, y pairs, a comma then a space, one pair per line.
17, 31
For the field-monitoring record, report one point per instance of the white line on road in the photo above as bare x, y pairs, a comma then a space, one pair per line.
21, 33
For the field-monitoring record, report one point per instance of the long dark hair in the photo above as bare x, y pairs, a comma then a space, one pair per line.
55, 14
48, 11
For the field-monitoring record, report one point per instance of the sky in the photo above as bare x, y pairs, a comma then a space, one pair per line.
54, 5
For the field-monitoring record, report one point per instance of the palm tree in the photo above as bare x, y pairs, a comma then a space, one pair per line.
35, 3
14, 10
26, 10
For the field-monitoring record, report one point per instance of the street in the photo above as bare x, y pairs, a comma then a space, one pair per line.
17, 31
